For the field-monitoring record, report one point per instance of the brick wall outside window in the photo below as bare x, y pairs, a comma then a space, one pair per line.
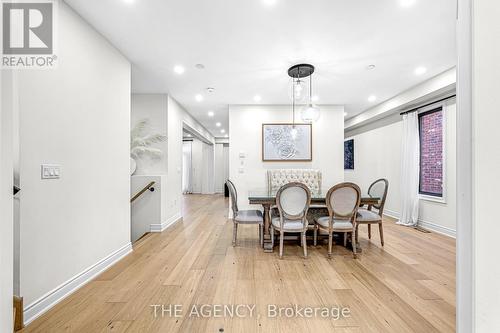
431, 152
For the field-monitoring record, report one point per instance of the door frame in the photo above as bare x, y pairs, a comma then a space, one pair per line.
465, 297
6, 201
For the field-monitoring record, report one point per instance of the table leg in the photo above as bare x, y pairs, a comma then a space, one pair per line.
267, 235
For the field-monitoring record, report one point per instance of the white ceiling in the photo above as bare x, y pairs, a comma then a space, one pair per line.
246, 47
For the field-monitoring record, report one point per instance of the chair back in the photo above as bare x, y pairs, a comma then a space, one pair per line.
234, 196
293, 200
379, 189
343, 201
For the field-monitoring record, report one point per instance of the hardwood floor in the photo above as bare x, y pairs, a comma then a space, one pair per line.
409, 286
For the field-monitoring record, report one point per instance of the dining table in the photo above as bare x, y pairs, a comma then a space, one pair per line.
267, 198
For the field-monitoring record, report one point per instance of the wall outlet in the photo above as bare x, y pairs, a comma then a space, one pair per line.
51, 171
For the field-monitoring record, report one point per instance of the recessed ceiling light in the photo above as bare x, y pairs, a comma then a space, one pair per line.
218, 124
199, 97
223, 131
211, 113
269, 2
315, 98
188, 135
407, 3
370, 67
179, 69
372, 98
420, 70
257, 98
345, 114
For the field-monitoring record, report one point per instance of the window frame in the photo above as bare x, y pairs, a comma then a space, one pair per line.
427, 110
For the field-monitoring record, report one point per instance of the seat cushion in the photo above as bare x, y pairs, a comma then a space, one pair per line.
365, 215
337, 224
249, 216
288, 224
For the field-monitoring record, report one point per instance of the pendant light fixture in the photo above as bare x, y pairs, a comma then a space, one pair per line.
299, 73
311, 112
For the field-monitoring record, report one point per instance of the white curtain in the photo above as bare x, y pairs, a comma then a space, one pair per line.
410, 170
187, 160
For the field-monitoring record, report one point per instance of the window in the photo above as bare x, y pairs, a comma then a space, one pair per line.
431, 152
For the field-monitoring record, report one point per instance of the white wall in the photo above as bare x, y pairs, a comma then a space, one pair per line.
486, 163
78, 116
154, 108
377, 154
6, 204
245, 126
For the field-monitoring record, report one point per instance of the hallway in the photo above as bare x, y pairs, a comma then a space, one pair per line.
406, 287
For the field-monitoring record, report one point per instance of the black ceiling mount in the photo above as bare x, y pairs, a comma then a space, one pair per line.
300, 71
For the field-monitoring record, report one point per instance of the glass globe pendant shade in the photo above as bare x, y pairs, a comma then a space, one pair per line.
299, 90
310, 114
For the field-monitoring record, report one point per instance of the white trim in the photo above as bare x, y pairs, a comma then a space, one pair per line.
437, 228
47, 301
164, 225
465, 291
426, 225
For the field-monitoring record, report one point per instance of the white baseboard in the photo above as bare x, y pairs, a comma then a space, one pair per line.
161, 227
437, 228
44, 303
426, 225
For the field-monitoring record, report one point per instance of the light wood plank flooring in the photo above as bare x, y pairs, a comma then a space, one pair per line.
408, 286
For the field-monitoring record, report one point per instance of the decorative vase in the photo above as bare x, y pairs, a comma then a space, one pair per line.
133, 166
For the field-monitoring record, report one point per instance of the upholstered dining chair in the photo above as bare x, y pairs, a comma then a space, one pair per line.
342, 202
367, 216
292, 200
244, 216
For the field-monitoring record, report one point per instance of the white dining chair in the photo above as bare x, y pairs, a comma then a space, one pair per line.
292, 200
244, 216
342, 202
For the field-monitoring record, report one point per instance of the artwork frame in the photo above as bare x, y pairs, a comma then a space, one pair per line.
349, 154
298, 152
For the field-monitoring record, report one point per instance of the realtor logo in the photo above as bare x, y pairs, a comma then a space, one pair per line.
28, 34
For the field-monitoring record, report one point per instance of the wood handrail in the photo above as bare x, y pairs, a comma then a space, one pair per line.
145, 188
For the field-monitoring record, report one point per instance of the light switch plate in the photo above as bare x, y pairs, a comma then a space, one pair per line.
243, 154
51, 171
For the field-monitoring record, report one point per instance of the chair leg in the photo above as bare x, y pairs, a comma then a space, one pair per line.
304, 244
345, 239
381, 230
353, 245
330, 239
369, 231
272, 237
235, 232
315, 235
356, 236
281, 244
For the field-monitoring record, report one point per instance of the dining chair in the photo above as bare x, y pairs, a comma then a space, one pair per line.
244, 216
367, 216
342, 202
292, 200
